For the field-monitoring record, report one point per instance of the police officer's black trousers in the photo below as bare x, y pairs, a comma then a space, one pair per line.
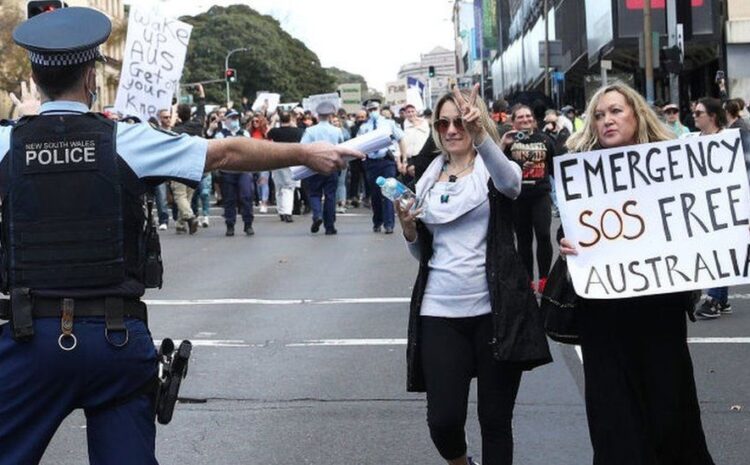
41, 384
454, 350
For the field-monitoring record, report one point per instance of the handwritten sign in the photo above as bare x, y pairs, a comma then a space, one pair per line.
312, 102
153, 61
267, 101
656, 218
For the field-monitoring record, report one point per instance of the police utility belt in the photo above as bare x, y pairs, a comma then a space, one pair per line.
22, 308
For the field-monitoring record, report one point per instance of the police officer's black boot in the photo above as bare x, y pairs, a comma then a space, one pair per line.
230, 230
249, 229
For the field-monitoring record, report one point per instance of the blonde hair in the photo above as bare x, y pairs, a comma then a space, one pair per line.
487, 123
648, 126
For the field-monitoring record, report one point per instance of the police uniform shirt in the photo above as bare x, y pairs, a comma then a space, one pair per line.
396, 133
323, 131
149, 152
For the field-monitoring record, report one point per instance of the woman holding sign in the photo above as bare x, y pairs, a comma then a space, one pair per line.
472, 311
641, 401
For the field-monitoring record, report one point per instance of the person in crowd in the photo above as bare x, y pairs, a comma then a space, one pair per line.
641, 400
559, 134
733, 108
308, 120
672, 119
416, 132
164, 122
500, 116
569, 112
533, 210
710, 118
288, 132
183, 194
463, 323
341, 183
259, 130
357, 175
322, 188
380, 163
245, 105
236, 185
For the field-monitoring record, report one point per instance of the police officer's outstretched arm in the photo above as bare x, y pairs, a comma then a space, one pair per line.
246, 154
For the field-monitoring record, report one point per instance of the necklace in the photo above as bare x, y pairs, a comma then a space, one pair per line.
454, 177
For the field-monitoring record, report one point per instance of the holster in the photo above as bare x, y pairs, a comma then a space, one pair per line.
172, 370
21, 320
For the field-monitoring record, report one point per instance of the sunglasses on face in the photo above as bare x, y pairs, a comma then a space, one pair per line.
671, 112
698, 112
443, 124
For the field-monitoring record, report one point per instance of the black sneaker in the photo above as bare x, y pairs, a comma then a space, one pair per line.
389, 230
316, 225
230, 230
331, 232
724, 309
249, 230
708, 310
376, 229
193, 225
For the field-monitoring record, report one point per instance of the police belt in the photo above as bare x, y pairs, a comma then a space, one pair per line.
52, 308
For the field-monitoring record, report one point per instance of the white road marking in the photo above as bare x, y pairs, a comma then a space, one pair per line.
349, 342
189, 302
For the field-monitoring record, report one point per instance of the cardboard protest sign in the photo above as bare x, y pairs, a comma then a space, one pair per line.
656, 218
312, 102
267, 99
153, 61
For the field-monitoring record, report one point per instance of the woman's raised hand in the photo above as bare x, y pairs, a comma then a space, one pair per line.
470, 113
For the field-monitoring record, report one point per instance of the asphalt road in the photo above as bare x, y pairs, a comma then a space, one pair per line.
300, 359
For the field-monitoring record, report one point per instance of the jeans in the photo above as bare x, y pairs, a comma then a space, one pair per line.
263, 190
341, 186
719, 294
160, 198
202, 195
382, 208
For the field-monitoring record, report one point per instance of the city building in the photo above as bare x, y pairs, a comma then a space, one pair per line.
443, 61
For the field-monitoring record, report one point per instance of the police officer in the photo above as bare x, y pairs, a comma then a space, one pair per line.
321, 185
236, 185
73, 259
380, 163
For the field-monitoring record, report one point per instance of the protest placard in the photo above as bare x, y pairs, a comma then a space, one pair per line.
268, 100
656, 218
312, 102
153, 61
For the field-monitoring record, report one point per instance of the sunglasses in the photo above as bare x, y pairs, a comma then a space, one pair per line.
698, 112
671, 111
443, 124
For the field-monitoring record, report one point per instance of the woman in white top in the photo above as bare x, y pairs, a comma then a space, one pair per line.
472, 312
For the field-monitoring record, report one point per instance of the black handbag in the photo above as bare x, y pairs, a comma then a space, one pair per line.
560, 305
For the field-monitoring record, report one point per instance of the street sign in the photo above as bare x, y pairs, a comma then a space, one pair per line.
555, 54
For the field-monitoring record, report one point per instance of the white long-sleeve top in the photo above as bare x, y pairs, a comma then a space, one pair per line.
457, 214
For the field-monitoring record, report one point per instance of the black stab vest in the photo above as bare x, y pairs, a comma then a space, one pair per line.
73, 216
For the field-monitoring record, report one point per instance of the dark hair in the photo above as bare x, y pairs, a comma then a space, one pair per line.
54, 81
713, 108
499, 106
516, 108
183, 112
285, 117
733, 107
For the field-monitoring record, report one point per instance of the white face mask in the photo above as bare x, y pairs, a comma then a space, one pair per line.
92, 94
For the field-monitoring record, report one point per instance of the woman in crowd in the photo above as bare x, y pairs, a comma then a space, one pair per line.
710, 118
533, 208
641, 400
472, 313
258, 130
734, 109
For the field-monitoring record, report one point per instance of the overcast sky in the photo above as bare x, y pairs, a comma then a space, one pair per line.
368, 37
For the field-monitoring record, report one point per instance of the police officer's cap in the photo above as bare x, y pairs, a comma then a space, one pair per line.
232, 114
64, 37
371, 104
325, 108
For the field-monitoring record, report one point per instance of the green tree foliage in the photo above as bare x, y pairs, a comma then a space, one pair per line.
14, 67
276, 62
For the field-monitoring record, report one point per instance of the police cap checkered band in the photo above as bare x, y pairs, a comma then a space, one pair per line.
64, 59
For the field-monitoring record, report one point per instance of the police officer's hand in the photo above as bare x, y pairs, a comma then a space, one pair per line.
29, 102
327, 158
408, 219
470, 114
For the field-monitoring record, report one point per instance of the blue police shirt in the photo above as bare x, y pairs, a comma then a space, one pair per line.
149, 152
396, 133
323, 131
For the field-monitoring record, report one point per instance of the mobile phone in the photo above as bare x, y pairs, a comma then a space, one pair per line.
719, 76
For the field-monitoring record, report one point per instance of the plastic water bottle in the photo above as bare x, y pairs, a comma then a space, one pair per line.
394, 190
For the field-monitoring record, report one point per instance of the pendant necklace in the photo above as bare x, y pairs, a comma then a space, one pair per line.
453, 178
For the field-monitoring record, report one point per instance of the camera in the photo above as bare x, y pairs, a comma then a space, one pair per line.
191, 88
719, 76
520, 136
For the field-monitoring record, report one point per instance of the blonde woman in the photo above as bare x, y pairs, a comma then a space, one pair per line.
641, 400
472, 311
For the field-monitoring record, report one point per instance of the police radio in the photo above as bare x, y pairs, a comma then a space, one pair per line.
34, 8
153, 268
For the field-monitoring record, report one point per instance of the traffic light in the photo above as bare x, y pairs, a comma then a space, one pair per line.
671, 59
34, 8
230, 75
431, 71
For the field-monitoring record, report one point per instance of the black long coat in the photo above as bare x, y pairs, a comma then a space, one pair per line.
517, 320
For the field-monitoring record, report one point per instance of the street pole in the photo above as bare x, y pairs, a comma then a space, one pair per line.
672, 34
481, 64
546, 50
226, 66
648, 47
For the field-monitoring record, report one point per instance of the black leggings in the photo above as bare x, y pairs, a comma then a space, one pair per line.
533, 217
454, 350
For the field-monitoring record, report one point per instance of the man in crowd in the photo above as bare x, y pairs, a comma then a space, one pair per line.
416, 132
160, 191
235, 184
381, 163
321, 187
357, 168
287, 132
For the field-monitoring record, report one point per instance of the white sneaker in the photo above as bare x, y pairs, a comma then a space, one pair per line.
204, 221
263, 209
163, 227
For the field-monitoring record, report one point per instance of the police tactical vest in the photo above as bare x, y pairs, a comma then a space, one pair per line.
72, 210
